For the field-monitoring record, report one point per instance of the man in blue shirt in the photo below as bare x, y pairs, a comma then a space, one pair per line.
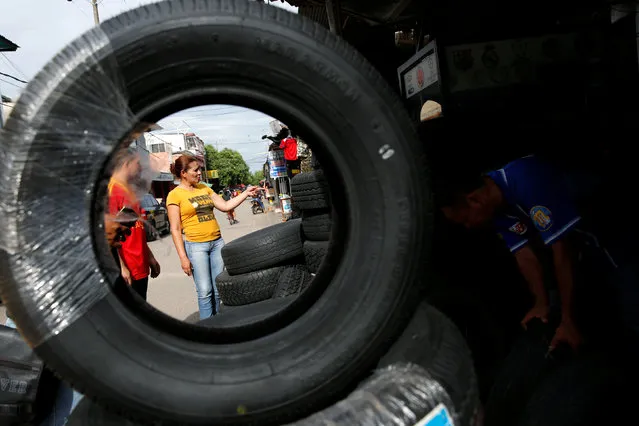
526, 200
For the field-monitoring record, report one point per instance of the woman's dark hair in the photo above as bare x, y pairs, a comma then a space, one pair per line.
181, 164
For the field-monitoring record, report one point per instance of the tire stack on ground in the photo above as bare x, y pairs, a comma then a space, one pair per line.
265, 264
311, 196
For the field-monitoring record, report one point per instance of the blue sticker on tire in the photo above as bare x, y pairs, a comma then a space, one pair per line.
439, 416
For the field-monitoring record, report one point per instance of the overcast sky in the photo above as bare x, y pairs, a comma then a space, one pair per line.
43, 27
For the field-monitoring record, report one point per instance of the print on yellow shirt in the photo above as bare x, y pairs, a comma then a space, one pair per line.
203, 205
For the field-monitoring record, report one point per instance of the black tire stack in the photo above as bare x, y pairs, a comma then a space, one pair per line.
262, 265
311, 196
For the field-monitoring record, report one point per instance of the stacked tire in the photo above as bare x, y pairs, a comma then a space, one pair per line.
311, 196
265, 264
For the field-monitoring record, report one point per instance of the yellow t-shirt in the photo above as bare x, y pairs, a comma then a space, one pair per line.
196, 213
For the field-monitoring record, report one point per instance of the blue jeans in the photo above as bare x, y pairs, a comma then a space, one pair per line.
259, 201
207, 262
66, 400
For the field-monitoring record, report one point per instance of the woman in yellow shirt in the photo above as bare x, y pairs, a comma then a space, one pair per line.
191, 209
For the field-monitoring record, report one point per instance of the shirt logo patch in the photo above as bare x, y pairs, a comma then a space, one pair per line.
541, 217
518, 228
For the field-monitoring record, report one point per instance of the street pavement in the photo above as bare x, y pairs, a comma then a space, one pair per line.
173, 292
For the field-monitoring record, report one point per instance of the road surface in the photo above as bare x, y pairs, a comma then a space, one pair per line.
173, 292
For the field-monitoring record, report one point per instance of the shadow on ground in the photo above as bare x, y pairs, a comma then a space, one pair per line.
193, 318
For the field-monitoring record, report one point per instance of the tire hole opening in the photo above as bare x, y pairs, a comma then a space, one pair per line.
214, 220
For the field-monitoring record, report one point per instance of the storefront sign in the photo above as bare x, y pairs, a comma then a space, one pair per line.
277, 164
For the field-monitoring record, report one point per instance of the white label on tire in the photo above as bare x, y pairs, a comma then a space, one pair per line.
439, 416
386, 152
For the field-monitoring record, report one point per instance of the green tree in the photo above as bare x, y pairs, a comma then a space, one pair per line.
230, 166
256, 177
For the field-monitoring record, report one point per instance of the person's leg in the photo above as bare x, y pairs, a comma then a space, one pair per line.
141, 286
198, 254
217, 267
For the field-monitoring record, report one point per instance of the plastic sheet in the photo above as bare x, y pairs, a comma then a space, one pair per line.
55, 146
399, 395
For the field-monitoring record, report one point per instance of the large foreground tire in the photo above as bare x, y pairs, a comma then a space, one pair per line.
273, 246
237, 290
433, 342
149, 63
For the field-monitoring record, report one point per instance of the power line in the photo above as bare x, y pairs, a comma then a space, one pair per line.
12, 84
81, 10
15, 78
14, 66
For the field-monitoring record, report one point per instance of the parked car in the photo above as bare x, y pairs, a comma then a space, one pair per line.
156, 219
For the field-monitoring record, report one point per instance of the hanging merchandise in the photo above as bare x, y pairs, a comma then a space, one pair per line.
277, 164
289, 145
303, 151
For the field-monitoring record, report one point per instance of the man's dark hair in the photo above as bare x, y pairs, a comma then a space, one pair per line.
451, 188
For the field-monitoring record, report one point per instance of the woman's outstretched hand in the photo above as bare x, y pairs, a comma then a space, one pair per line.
253, 191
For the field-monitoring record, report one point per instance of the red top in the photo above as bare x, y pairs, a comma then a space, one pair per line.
289, 145
133, 252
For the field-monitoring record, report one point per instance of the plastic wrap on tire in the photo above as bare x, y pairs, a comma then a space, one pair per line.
52, 147
402, 394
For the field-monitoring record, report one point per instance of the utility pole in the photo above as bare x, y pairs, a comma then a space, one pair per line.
96, 14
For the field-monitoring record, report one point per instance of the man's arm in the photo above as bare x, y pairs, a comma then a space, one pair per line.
532, 271
153, 263
567, 332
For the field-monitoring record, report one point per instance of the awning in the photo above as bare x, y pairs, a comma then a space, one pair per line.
164, 177
7, 45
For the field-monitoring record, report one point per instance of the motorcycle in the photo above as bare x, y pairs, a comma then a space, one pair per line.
256, 207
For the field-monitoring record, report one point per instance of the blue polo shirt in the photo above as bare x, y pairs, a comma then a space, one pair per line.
537, 201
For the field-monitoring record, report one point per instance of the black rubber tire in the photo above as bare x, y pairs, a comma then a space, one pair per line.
316, 225
589, 390
310, 191
247, 314
397, 395
292, 281
433, 342
314, 254
519, 375
149, 63
272, 246
244, 289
